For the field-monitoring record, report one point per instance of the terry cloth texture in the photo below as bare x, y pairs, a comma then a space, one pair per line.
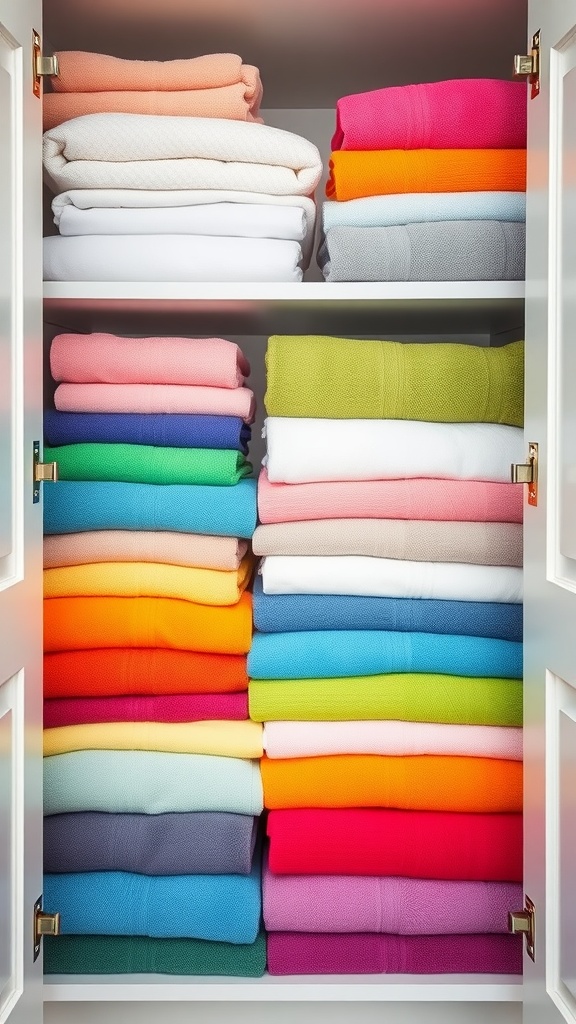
220, 738
419, 207
339, 378
199, 843
155, 398
186, 707
81, 71
143, 464
165, 430
191, 549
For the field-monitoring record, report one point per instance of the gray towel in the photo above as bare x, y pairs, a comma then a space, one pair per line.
458, 250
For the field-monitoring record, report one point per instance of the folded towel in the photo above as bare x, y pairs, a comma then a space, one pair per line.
339, 378
415, 844
143, 464
199, 843
192, 549
453, 500
453, 250
135, 954
385, 211
358, 173
318, 739
401, 906
143, 152
417, 540
189, 707
148, 782
81, 71
149, 579
422, 783
222, 739
168, 430
304, 450
221, 908
456, 700
463, 113
155, 398
170, 258
134, 671
74, 506
334, 653
388, 577
297, 953
83, 623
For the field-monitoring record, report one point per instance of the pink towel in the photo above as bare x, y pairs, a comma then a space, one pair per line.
454, 500
179, 398
473, 113
107, 359
194, 707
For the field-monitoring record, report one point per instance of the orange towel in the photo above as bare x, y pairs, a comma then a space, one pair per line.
82, 623
357, 173
423, 783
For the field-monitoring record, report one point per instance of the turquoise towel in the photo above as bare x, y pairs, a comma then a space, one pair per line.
417, 208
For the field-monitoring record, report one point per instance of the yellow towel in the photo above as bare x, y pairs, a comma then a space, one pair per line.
226, 739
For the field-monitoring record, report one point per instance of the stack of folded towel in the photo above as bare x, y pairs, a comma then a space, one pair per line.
387, 663
163, 171
152, 783
428, 184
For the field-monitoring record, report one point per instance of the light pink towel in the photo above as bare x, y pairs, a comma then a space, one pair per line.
318, 739
179, 398
453, 500
107, 359
469, 113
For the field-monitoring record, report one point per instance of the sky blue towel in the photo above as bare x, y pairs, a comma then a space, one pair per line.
163, 430
333, 654
72, 506
223, 908
416, 208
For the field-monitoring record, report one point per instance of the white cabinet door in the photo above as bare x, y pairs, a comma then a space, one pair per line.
550, 528
20, 519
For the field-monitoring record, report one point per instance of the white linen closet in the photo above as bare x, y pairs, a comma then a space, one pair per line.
309, 54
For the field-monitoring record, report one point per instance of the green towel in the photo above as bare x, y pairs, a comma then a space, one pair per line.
408, 697
336, 378
143, 464
126, 954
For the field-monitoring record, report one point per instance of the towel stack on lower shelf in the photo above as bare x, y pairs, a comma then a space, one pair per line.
387, 663
152, 783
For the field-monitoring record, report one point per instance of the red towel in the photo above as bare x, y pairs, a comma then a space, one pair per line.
194, 707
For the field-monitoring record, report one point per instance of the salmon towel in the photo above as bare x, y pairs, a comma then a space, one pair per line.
178, 707
359, 173
82, 623
224, 739
464, 113
81, 71
130, 671
108, 359
194, 549
415, 844
179, 398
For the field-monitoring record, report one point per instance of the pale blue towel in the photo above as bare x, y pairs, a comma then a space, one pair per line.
385, 211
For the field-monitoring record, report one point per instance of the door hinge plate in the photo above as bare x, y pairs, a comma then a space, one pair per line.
42, 67
527, 65
41, 472
44, 924
527, 473
523, 922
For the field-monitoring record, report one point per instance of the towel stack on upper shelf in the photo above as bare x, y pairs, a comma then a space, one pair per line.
152, 782
161, 173
428, 184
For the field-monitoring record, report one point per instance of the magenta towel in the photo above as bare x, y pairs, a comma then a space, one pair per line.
403, 906
465, 113
154, 398
365, 953
107, 359
194, 707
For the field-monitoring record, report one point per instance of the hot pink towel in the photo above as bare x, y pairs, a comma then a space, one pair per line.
469, 113
107, 359
194, 707
179, 398
453, 500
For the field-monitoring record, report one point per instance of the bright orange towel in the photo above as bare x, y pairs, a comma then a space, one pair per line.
423, 783
82, 623
357, 173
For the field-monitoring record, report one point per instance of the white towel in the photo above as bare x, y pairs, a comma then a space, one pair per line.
170, 258
362, 576
304, 450
416, 207
146, 151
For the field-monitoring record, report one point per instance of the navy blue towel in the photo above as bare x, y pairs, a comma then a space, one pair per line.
164, 430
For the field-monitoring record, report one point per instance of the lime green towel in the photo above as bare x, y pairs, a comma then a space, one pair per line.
408, 697
336, 378
143, 464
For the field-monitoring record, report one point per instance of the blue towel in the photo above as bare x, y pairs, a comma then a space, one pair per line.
72, 506
223, 908
163, 430
420, 207
333, 654
290, 613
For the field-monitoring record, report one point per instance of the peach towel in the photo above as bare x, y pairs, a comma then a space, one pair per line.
178, 398
81, 71
193, 549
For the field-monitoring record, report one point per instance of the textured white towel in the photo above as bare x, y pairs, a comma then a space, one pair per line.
304, 450
170, 258
235, 219
387, 577
146, 151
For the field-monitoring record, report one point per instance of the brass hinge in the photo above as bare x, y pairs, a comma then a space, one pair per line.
42, 67
42, 472
527, 473
44, 924
523, 922
528, 65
